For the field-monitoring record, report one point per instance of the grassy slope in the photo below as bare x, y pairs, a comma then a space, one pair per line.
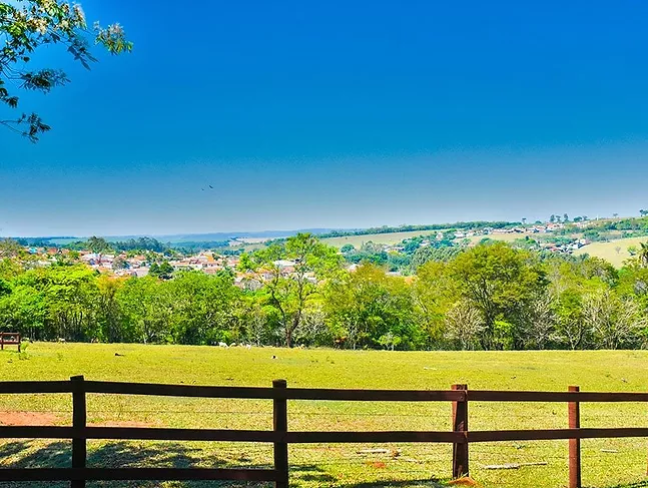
504, 237
607, 250
339, 465
397, 237
387, 238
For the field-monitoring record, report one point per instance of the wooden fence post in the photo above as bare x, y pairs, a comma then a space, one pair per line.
280, 415
460, 466
79, 448
574, 444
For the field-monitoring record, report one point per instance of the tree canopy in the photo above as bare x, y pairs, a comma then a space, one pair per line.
25, 26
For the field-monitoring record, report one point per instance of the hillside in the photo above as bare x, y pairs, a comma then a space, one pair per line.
616, 252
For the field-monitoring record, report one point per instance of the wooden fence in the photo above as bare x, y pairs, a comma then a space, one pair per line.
9, 339
460, 436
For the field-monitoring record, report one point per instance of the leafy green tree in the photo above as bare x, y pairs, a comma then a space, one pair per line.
163, 271
98, 245
205, 309
367, 308
24, 310
434, 294
25, 26
148, 309
500, 282
571, 325
113, 326
293, 270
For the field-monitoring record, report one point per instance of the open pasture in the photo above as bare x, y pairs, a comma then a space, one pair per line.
474, 240
389, 238
616, 252
606, 463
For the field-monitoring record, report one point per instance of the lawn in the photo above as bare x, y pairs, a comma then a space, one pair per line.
606, 463
616, 252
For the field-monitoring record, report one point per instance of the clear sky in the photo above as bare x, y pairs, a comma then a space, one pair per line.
338, 114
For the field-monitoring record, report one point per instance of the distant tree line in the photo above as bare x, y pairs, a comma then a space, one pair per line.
477, 225
488, 297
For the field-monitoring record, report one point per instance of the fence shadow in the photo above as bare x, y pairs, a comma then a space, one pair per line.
32, 454
28, 454
423, 483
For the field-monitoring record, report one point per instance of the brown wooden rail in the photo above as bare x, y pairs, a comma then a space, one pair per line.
460, 436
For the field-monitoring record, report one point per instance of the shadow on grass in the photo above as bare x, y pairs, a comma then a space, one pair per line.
395, 484
25, 454
29, 454
638, 484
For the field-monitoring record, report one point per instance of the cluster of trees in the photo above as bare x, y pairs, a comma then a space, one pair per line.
492, 296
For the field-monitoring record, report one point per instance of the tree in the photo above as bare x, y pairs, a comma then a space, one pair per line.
465, 325
613, 321
500, 282
643, 212
615, 215
10, 249
163, 271
112, 324
569, 317
433, 293
643, 254
539, 329
552, 219
147, 307
367, 308
98, 245
566, 218
293, 270
205, 309
26, 25
524, 220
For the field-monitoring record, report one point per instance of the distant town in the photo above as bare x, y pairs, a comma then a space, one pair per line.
398, 248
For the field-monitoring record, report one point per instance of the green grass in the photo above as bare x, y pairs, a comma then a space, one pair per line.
608, 250
391, 238
606, 463
504, 237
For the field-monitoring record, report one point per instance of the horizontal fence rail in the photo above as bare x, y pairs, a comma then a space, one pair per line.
460, 436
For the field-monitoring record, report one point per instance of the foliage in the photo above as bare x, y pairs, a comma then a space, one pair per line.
26, 25
490, 296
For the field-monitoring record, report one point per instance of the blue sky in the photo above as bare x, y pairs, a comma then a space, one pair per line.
337, 114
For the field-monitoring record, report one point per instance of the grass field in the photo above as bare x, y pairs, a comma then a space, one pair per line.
503, 237
608, 250
606, 463
387, 238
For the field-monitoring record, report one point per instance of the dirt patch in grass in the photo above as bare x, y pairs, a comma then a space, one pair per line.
28, 418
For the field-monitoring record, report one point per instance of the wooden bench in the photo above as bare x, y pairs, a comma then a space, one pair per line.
9, 339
